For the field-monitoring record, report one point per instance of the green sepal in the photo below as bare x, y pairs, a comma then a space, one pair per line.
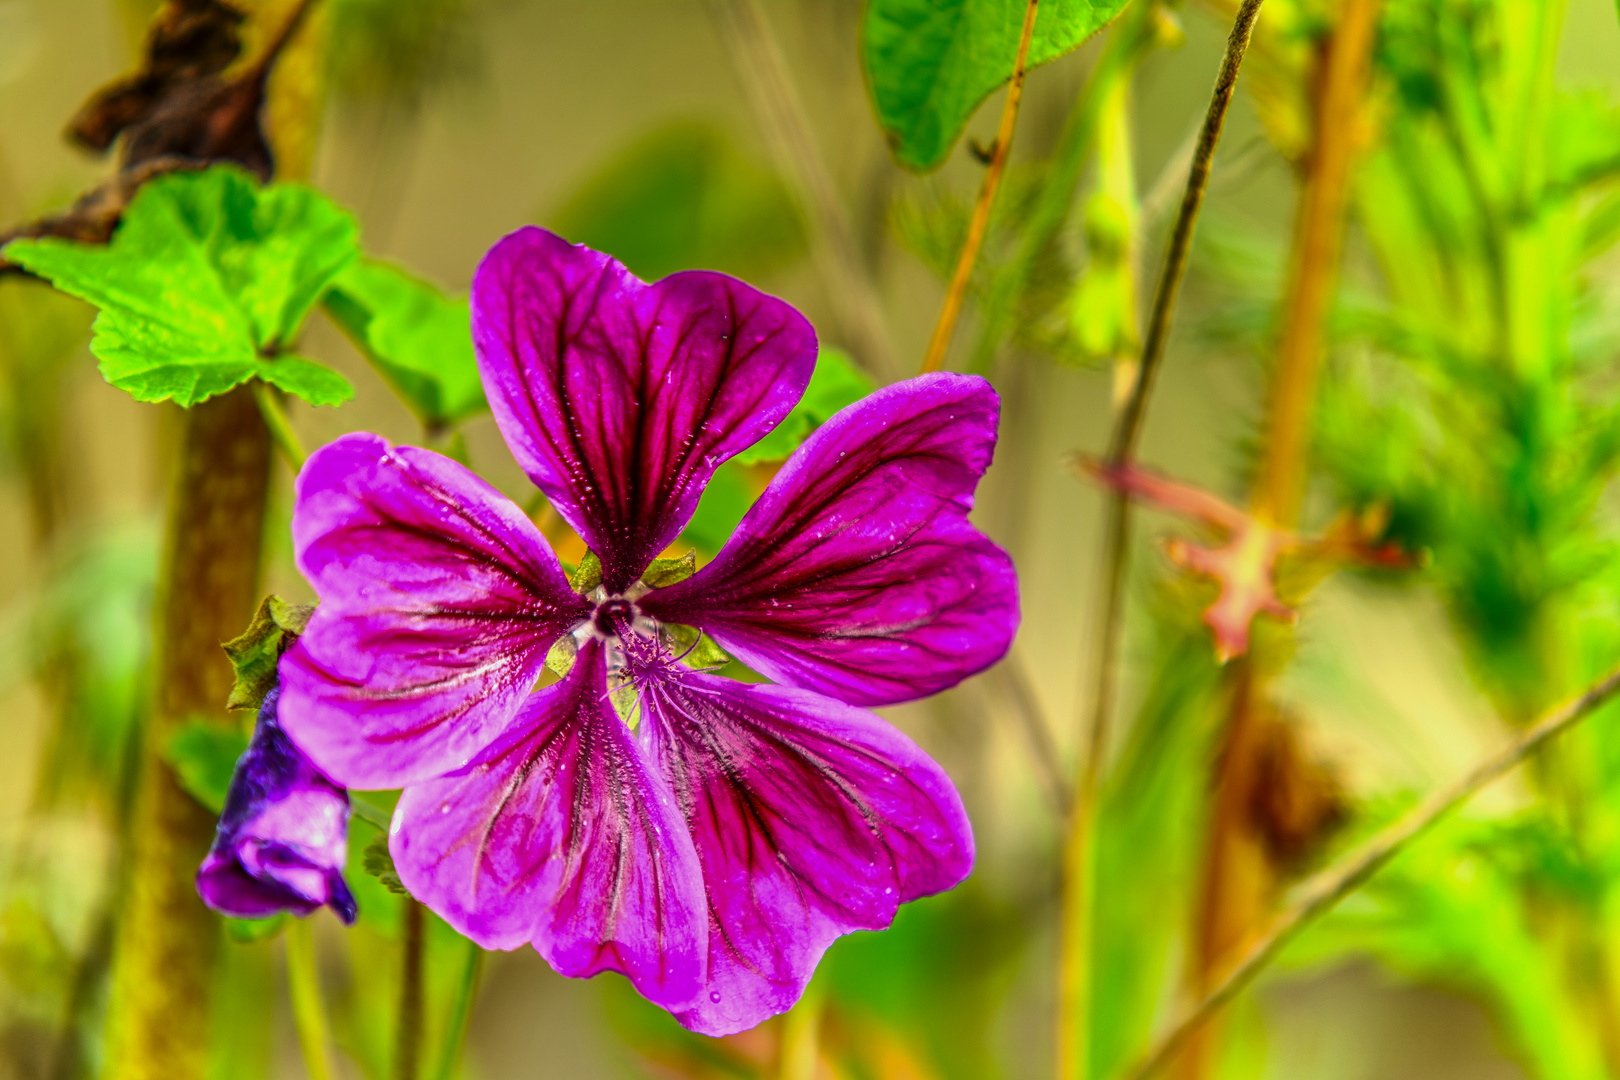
835, 384
205, 285
250, 931
663, 572
560, 657
203, 754
417, 336
587, 576
379, 863
694, 648
255, 652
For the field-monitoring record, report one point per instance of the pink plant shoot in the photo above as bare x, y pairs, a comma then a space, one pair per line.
712, 839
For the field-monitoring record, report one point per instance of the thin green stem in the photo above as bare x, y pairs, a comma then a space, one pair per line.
309, 1012
1322, 892
801, 1038
1074, 961
979, 224
366, 812
455, 1035
408, 1032
280, 425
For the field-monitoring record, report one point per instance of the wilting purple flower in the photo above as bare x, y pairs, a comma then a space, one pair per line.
283, 838
714, 843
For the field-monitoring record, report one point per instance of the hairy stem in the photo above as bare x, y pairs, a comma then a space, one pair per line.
1074, 960
455, 1034
979, 224
1241, 874
309, 1011
1322, 892
408, 1032
786, 126
163, 980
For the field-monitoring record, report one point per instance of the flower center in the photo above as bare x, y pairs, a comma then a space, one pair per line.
611, 613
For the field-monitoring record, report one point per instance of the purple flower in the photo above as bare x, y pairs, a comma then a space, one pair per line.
713, 841
283, 838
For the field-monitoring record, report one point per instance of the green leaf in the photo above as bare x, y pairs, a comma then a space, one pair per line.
255, 652
835, 384
416, 335
721, 507
930, 63
682, 197
205, 283
379, 863
203, 755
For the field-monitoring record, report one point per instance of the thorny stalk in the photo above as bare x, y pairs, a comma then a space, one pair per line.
1074, 960
979, 224
1241, 877
1321, 893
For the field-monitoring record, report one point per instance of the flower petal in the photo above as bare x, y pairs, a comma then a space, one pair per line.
857, 573
283, 838
620, 398
563, 834
811, 819
439, 600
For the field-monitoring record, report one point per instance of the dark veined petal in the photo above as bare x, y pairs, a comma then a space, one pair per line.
439, 600
811, 818
563, 834
857, 573
620, 398
283, 838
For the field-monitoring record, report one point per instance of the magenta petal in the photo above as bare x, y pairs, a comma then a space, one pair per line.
619, 398
857, 573
563, 834
439, 601
811, 819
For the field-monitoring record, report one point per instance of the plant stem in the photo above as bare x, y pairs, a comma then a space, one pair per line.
800, 1048
782, 118
455, 1035
163, 981
1242, 875
408, 1033
1074, 960
309, 1012
279, 425
1322, 892
979, 224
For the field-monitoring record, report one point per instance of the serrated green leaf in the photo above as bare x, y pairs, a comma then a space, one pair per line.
588, 575
208, 278
416, 335
663, 572
836, 383
379, 863
930, 63
684, 197
255, 652
203, 755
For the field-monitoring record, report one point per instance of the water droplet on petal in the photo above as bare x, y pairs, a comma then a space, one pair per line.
714, 996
